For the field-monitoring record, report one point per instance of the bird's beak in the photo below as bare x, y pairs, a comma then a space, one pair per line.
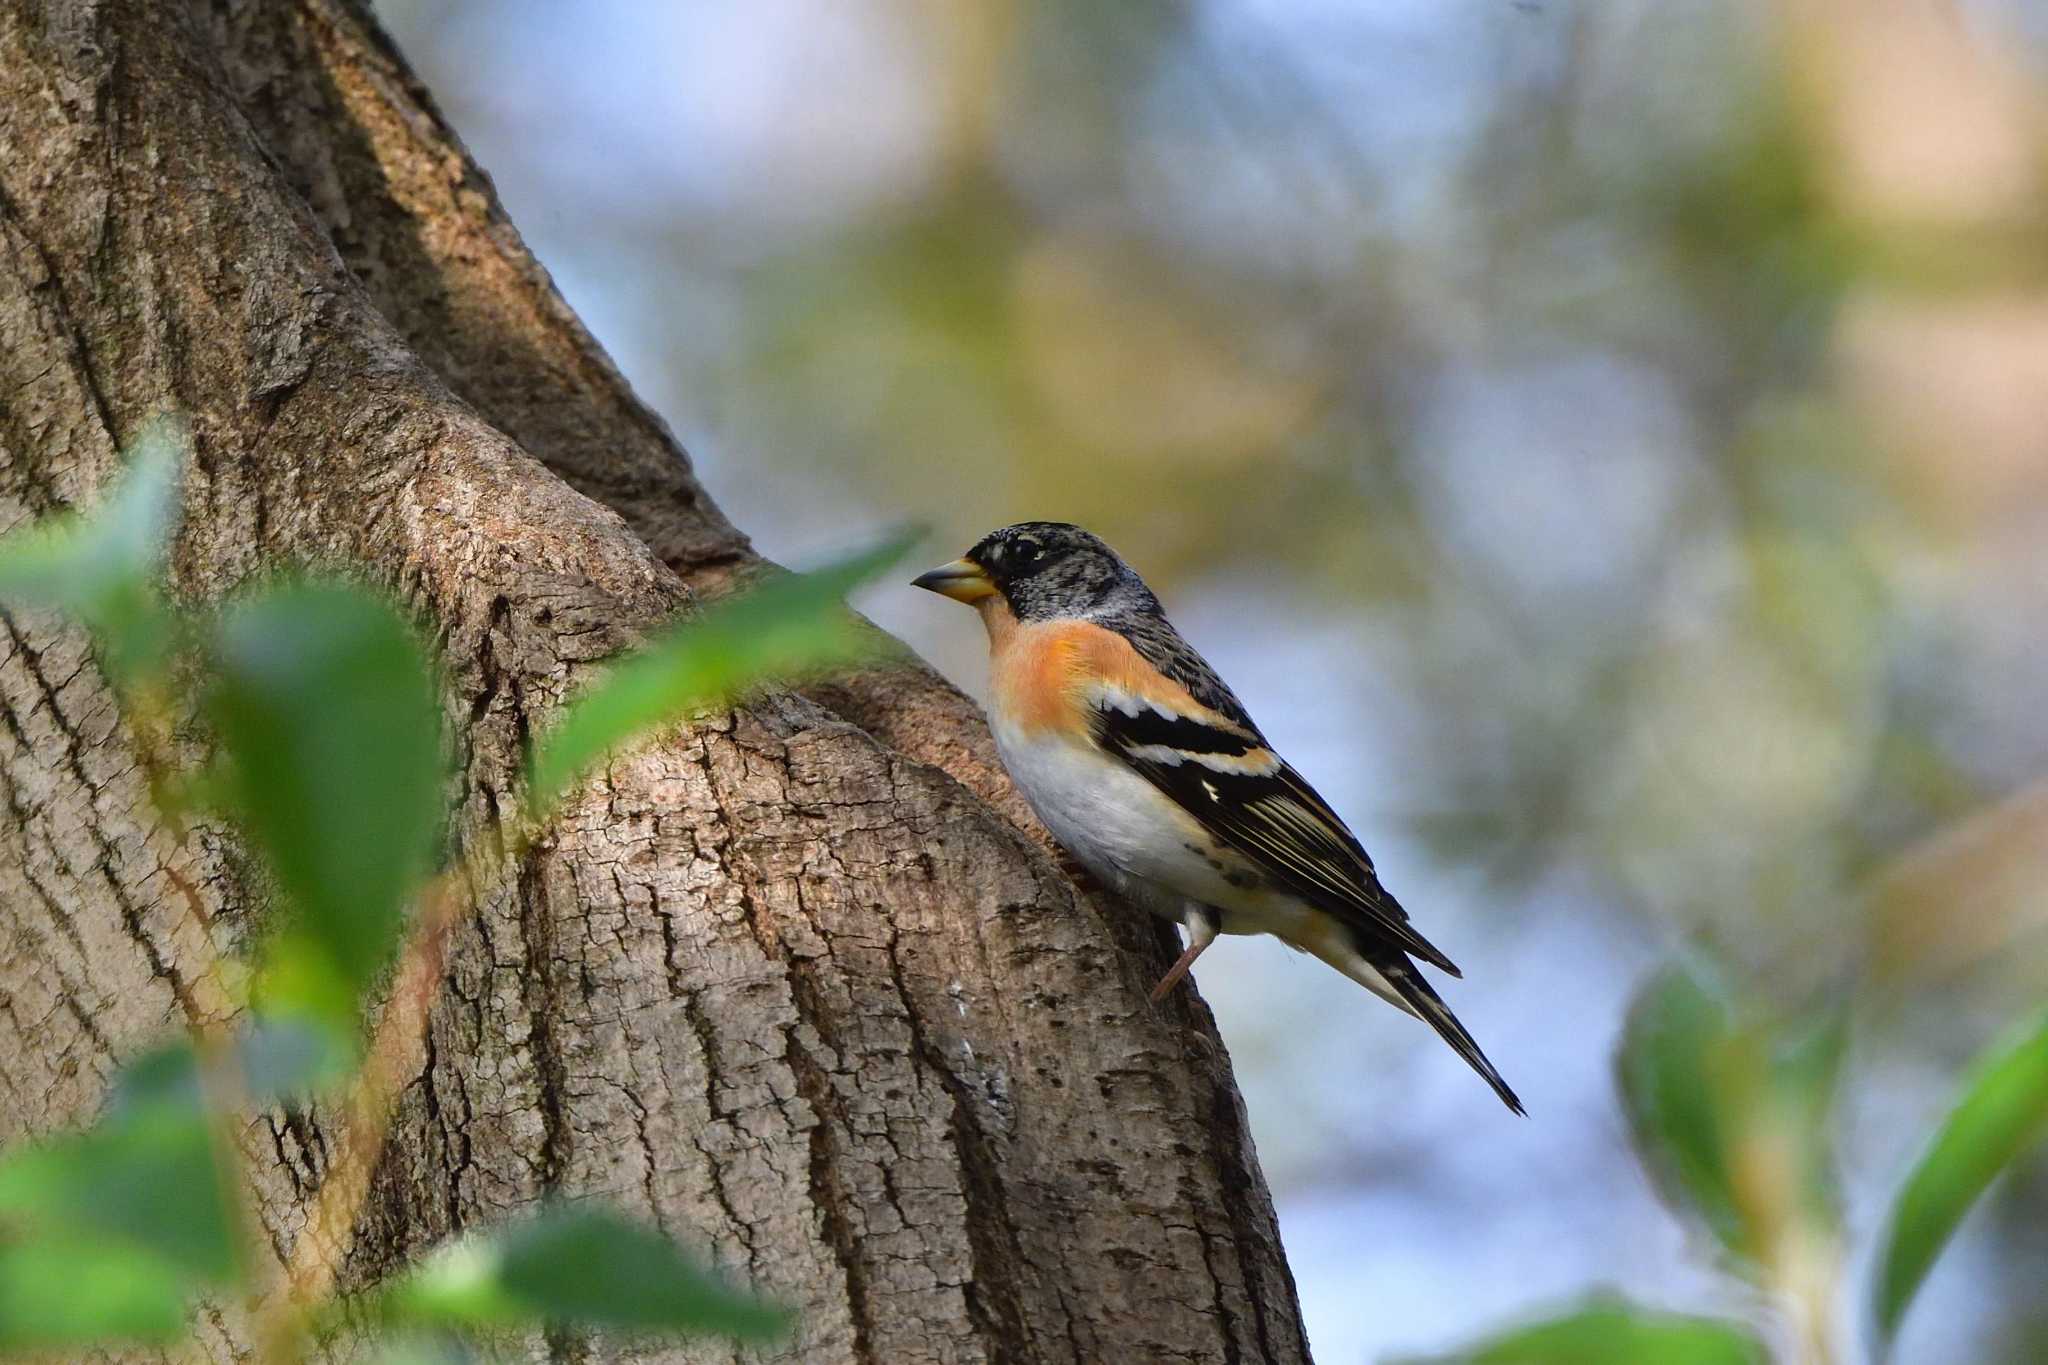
963, 580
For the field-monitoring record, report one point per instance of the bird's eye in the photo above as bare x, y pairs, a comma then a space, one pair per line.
1029, 552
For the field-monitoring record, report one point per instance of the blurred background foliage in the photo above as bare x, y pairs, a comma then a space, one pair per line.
1603, 441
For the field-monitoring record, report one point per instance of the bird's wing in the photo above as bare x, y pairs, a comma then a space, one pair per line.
1216, 766
1152, 637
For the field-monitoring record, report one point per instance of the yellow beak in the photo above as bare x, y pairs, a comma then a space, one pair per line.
963, 580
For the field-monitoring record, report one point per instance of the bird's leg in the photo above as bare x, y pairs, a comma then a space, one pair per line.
1201, 928
1178, 970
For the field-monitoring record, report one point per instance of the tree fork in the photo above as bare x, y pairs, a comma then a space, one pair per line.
792, 982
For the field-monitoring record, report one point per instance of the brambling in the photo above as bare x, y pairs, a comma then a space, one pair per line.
1146, 767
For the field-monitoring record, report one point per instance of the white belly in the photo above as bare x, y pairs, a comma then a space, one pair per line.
1145, 848
1130, 834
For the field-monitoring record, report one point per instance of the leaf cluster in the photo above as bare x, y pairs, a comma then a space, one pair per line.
326, 715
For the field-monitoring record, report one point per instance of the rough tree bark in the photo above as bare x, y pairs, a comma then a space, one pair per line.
796, 982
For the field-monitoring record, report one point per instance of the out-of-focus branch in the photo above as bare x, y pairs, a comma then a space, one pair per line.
1967, 894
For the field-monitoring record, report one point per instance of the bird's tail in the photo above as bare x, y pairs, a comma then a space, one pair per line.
1405, 986
1386, 972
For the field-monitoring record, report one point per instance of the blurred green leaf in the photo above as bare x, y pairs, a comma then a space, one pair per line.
443, 1349
1615, 1333
146, 1174
1711, 1091
791, 624
101, 567
68, 1289
107, 1232
288, 1057
1804, 1058
150, 1180
164, 1079
276, 1059
1666, 1065
2003, 1111
576, 1265
329, 717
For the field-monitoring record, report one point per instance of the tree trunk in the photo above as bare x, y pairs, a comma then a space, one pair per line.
796, 982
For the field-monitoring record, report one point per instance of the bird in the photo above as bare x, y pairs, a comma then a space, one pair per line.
1145, 766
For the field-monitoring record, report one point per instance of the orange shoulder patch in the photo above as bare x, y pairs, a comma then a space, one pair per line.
1041, 673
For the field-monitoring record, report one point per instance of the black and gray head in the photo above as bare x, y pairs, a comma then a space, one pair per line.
1044, 570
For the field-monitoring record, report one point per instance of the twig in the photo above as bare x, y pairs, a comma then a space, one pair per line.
397, 1054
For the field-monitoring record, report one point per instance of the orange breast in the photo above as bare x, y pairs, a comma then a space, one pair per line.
1043, 675
1035, 671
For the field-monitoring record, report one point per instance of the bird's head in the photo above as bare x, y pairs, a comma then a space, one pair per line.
1042, 571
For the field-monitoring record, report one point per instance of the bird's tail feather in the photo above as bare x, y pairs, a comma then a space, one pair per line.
1422, 1000
1387, 973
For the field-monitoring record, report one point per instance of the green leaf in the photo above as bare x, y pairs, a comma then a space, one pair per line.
1731, 1110
148, 1174
148, 1181
289, 1057
65, 1289
576, 1265
445, 1349
1667, 1059
329, 717
277, 1058
101, 568
2003, 1112
163, 1079
1611, 1332
593, 1266
792, 624
108, 1232
1804, 1060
